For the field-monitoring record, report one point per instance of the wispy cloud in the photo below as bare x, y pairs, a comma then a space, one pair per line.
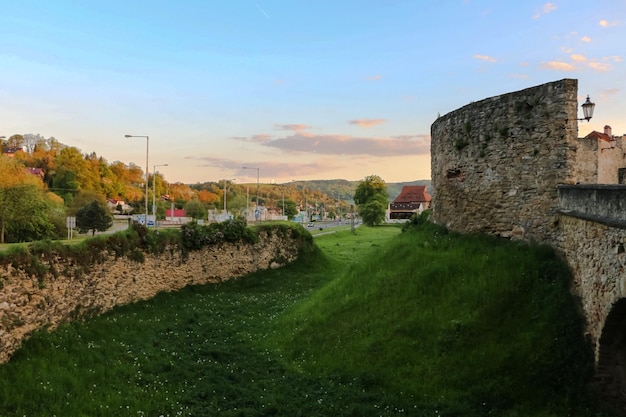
578, 58
557, 65
269, 169
607, 24
486, 58
292, 127
374, 77
600, 66
366, 123
547, 8
303, 142
260, 138
585, 39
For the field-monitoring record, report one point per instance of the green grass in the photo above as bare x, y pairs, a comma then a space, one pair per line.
421, 323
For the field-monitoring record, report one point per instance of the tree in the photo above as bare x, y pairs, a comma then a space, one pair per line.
22, 204
195, 209
95, 217
290, 209
372, 200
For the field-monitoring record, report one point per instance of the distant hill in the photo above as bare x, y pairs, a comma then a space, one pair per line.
344, 189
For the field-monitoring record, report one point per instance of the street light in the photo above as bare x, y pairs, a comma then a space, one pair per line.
256, 203
147, 169
154, 190
588, 107
225, 194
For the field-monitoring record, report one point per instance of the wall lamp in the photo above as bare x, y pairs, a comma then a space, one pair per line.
588, 108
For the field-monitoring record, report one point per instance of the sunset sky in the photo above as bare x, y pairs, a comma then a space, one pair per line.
302, 90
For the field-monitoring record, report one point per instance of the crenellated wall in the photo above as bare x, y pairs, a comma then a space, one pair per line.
28, 303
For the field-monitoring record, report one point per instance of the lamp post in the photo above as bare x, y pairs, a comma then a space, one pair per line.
225, 194
588, 108
147, 168
154, 190
256, 203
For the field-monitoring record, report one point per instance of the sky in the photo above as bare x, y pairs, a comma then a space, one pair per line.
292, 89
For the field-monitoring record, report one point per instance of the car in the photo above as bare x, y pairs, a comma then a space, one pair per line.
310, 225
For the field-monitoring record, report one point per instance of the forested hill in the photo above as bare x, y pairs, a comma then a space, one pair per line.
344, 189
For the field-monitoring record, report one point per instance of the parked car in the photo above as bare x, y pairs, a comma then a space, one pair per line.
310, 225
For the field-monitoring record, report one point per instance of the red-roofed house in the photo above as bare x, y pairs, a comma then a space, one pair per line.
599, 158
412, 199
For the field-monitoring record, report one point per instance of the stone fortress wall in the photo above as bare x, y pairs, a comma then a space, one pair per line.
27, 303
513, 166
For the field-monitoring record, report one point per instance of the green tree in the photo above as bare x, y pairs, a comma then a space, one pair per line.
22, 204
195, 209
290, 209
372, 200
95, 217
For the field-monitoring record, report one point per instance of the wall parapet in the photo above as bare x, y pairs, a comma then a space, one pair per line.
601, 203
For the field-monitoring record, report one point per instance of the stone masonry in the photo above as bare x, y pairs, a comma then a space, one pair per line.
26, 304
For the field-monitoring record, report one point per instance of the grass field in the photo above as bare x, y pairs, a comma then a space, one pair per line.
376, 323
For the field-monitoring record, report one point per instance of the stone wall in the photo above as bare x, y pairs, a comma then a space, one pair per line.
595, 253
496, 163
27, 303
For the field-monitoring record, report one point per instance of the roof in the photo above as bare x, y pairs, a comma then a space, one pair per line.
413, 194
599, 136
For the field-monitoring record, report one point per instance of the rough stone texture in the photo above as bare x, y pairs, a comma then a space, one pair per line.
595, 252
26, 304
496, 163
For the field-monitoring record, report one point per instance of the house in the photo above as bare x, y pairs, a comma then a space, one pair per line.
412, 199
119, 206
10, 152
600, 158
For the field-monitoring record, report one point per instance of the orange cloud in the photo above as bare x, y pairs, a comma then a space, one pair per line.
578, 58
600, 66
606, 23
484, 57
586, 39
366, 123
558, 66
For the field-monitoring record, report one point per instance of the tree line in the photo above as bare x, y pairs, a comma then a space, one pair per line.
42, 181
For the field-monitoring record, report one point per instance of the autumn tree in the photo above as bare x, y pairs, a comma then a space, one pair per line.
195, 209
372, 200
23, 209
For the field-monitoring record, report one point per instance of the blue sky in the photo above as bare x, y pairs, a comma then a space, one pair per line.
300, 89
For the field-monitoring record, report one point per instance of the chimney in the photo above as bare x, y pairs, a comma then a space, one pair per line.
608, 131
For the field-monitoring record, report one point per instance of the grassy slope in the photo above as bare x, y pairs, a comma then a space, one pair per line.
379, 323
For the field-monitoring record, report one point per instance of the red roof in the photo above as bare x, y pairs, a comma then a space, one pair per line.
413, 194
598, 135
177, 213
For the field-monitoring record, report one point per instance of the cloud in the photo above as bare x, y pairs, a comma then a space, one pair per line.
558, 66
600, 66
374, 77
293, 127
606, 23
271, 169
614, 58
484, 58
303, 142
578, 58
367, 123
586, 39
520, 76
547, 8
260, 138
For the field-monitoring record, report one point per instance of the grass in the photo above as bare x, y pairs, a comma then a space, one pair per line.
379, 323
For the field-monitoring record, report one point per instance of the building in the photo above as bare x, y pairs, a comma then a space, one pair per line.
600, 158
412, 199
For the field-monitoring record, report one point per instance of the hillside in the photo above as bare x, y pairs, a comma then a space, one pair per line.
344, 189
